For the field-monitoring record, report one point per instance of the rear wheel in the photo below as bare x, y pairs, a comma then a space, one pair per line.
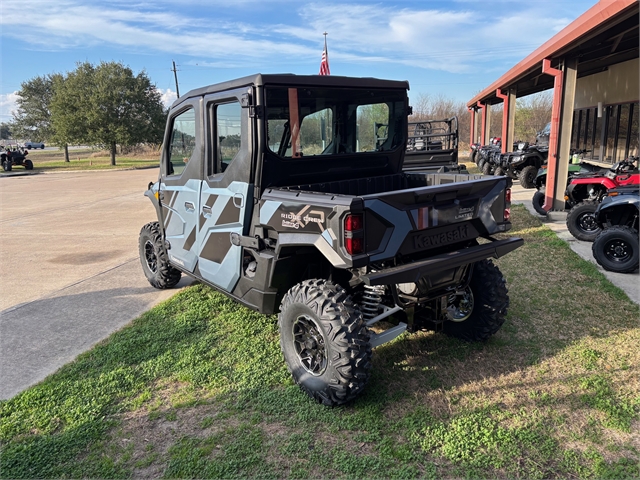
487, 168
499, 172
325, 341
528, 177
153, 258
616, 249
473, 156
581, 221
479, 311
538, 202
6, 165
481, 163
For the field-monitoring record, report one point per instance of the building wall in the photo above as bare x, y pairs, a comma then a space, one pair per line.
619, 84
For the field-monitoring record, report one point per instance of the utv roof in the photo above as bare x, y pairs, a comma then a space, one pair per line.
294, 80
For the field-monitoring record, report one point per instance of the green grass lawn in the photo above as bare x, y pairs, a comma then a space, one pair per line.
197, 387
84, 159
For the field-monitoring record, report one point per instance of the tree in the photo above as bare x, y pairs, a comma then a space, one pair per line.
5, 131
106, 106
33, 117
533, 112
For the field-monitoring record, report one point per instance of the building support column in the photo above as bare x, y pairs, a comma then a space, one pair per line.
487, 122
472, 139
511, 126
552, 162
564, 92
570, 72
484, 119
505, 120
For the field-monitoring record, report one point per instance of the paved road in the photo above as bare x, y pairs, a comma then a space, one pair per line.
69, 274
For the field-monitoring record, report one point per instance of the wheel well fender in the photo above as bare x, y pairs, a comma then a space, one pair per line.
295, 263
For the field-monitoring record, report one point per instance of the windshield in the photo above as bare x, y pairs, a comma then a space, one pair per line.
310, 121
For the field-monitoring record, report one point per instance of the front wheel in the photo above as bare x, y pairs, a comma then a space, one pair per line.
528, 176
486, 168
581, 221
481, 163
479, 311
499, 172
538, 202
28, 165
616, 249
153, 258
325, 341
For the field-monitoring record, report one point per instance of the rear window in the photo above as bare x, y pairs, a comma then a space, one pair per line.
304, 122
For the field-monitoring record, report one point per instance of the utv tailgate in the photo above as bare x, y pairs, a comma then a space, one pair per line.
413, 272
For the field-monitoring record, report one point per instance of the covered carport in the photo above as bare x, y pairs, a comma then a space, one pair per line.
592, 66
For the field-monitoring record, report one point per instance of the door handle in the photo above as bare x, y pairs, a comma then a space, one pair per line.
238, 200
190, 207
206, 210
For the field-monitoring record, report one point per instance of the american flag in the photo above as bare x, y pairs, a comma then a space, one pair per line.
324, 63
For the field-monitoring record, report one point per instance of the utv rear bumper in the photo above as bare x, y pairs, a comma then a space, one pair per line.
413, 272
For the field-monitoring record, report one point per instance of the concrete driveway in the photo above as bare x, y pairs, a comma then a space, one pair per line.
70, 273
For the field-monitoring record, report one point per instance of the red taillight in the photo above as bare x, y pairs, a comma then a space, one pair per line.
354, 246
507, 204
354, 234
353, 223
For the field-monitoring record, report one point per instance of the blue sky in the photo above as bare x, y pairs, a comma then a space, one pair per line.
453, 48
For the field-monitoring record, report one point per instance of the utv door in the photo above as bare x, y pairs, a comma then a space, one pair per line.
180, 183
225, 202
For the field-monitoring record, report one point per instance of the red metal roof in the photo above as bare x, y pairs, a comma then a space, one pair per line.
572, 34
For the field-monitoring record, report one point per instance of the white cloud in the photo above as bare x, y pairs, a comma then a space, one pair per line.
168, 97
453, 41
7, 106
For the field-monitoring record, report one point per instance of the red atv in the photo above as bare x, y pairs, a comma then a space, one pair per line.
585, 192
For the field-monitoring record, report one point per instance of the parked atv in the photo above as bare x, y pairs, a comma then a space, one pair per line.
616, 246
16, 156
524, 162
585, 192
483, 153
575, 170
490, 160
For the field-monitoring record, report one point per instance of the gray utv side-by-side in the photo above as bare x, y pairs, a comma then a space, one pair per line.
276, 191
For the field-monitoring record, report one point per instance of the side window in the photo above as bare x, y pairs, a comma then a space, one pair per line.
228, 128
183, 142
372, 121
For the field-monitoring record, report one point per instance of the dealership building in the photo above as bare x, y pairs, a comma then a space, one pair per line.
592, 68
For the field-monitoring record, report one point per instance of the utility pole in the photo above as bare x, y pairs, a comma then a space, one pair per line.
175, 75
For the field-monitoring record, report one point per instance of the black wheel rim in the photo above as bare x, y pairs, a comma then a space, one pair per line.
150, 256
531, 177
460, 305
618, 251
310, 345
587, 222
